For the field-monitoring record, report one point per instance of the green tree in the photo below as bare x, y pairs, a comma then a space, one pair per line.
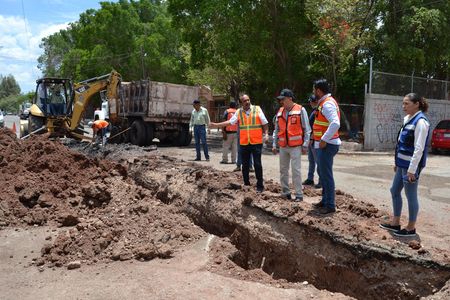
12, 102
413, 38
134, 37
269, 38
8, 86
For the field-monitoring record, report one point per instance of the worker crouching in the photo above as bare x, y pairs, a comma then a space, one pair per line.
100, 130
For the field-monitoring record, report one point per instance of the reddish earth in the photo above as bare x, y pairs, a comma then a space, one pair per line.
149, 206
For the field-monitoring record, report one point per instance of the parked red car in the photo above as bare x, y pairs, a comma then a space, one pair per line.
440, 139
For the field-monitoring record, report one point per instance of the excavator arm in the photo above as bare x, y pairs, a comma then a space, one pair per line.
84, 91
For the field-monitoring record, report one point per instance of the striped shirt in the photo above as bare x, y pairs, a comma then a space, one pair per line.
200, 117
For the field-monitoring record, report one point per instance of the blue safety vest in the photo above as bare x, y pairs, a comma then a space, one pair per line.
405, 146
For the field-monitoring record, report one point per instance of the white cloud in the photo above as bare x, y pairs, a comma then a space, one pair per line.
19, 48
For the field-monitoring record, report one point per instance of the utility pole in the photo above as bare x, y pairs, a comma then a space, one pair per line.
142, 62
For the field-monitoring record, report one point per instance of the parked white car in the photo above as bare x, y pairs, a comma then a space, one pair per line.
2, 120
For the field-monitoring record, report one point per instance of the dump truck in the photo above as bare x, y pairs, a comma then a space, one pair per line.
138, 111
150, 109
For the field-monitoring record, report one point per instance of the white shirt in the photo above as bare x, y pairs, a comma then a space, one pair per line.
420, 140
305, 125
262, 117
330, 112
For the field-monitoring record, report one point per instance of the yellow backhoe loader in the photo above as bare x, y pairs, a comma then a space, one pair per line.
58, 106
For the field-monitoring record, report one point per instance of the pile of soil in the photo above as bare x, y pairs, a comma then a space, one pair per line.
45, 183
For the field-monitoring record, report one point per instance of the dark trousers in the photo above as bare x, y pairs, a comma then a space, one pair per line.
312, 158
239, 153
253, 151
325, 158
200, 136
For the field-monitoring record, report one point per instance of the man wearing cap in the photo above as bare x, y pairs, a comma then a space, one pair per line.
253, 131
311, 151
199, 122
326, 142
292, 133
229, 136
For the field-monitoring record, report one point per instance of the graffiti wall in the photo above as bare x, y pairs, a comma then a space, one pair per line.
383, 118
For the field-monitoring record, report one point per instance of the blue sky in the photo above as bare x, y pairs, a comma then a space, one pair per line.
23, 24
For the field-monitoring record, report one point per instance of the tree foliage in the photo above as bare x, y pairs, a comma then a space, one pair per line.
8, 86
255, 46
136, 38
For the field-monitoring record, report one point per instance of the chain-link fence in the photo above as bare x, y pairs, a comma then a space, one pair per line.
400, 85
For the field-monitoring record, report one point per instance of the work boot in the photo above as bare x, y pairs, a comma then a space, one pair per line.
308, 182
318, 186
318, 204
286, 196
251, 170
223, 162
237, 169
326, 211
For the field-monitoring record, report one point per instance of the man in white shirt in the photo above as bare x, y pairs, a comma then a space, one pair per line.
253, 131
199, 122
326, 142
292, 133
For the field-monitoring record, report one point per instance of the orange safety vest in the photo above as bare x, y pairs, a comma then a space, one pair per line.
250, 127
230, 113
321, 123
290, 131
100, 124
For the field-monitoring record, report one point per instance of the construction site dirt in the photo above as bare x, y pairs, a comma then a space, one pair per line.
133, 222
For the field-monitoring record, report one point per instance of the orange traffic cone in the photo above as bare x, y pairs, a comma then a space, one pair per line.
13, 129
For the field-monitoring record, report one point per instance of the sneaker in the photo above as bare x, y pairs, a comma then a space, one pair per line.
318, 186
237, 169
326, 211
298, 199
390, 227
318, 204
223, 162
197, 159
308, 182
404, 232
259, 189
286, 196
251, 170
207, 159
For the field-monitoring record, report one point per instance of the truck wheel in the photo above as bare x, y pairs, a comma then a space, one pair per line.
184, 137
34, 123
118, 139
138, 133
150, 133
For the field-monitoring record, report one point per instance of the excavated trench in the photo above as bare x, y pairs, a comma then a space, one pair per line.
288, 242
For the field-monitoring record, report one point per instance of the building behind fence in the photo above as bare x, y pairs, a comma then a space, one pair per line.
383, 106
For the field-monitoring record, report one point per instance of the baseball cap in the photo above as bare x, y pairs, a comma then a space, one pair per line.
312, 98
285, 93
196, 101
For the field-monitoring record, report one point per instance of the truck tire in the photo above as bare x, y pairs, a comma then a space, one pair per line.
150, 133
138, 133
184, 137
118, 139
34, 123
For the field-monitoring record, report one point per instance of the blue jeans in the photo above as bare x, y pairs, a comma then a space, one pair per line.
410, 191
255, 152
312, 162
325, 158
200, 136
239, 154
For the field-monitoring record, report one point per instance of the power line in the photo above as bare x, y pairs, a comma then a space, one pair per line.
27, 34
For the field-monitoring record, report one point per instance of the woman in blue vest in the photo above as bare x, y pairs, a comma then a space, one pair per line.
410, 159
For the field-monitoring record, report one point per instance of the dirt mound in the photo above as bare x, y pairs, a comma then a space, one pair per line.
42, 179
45, 183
